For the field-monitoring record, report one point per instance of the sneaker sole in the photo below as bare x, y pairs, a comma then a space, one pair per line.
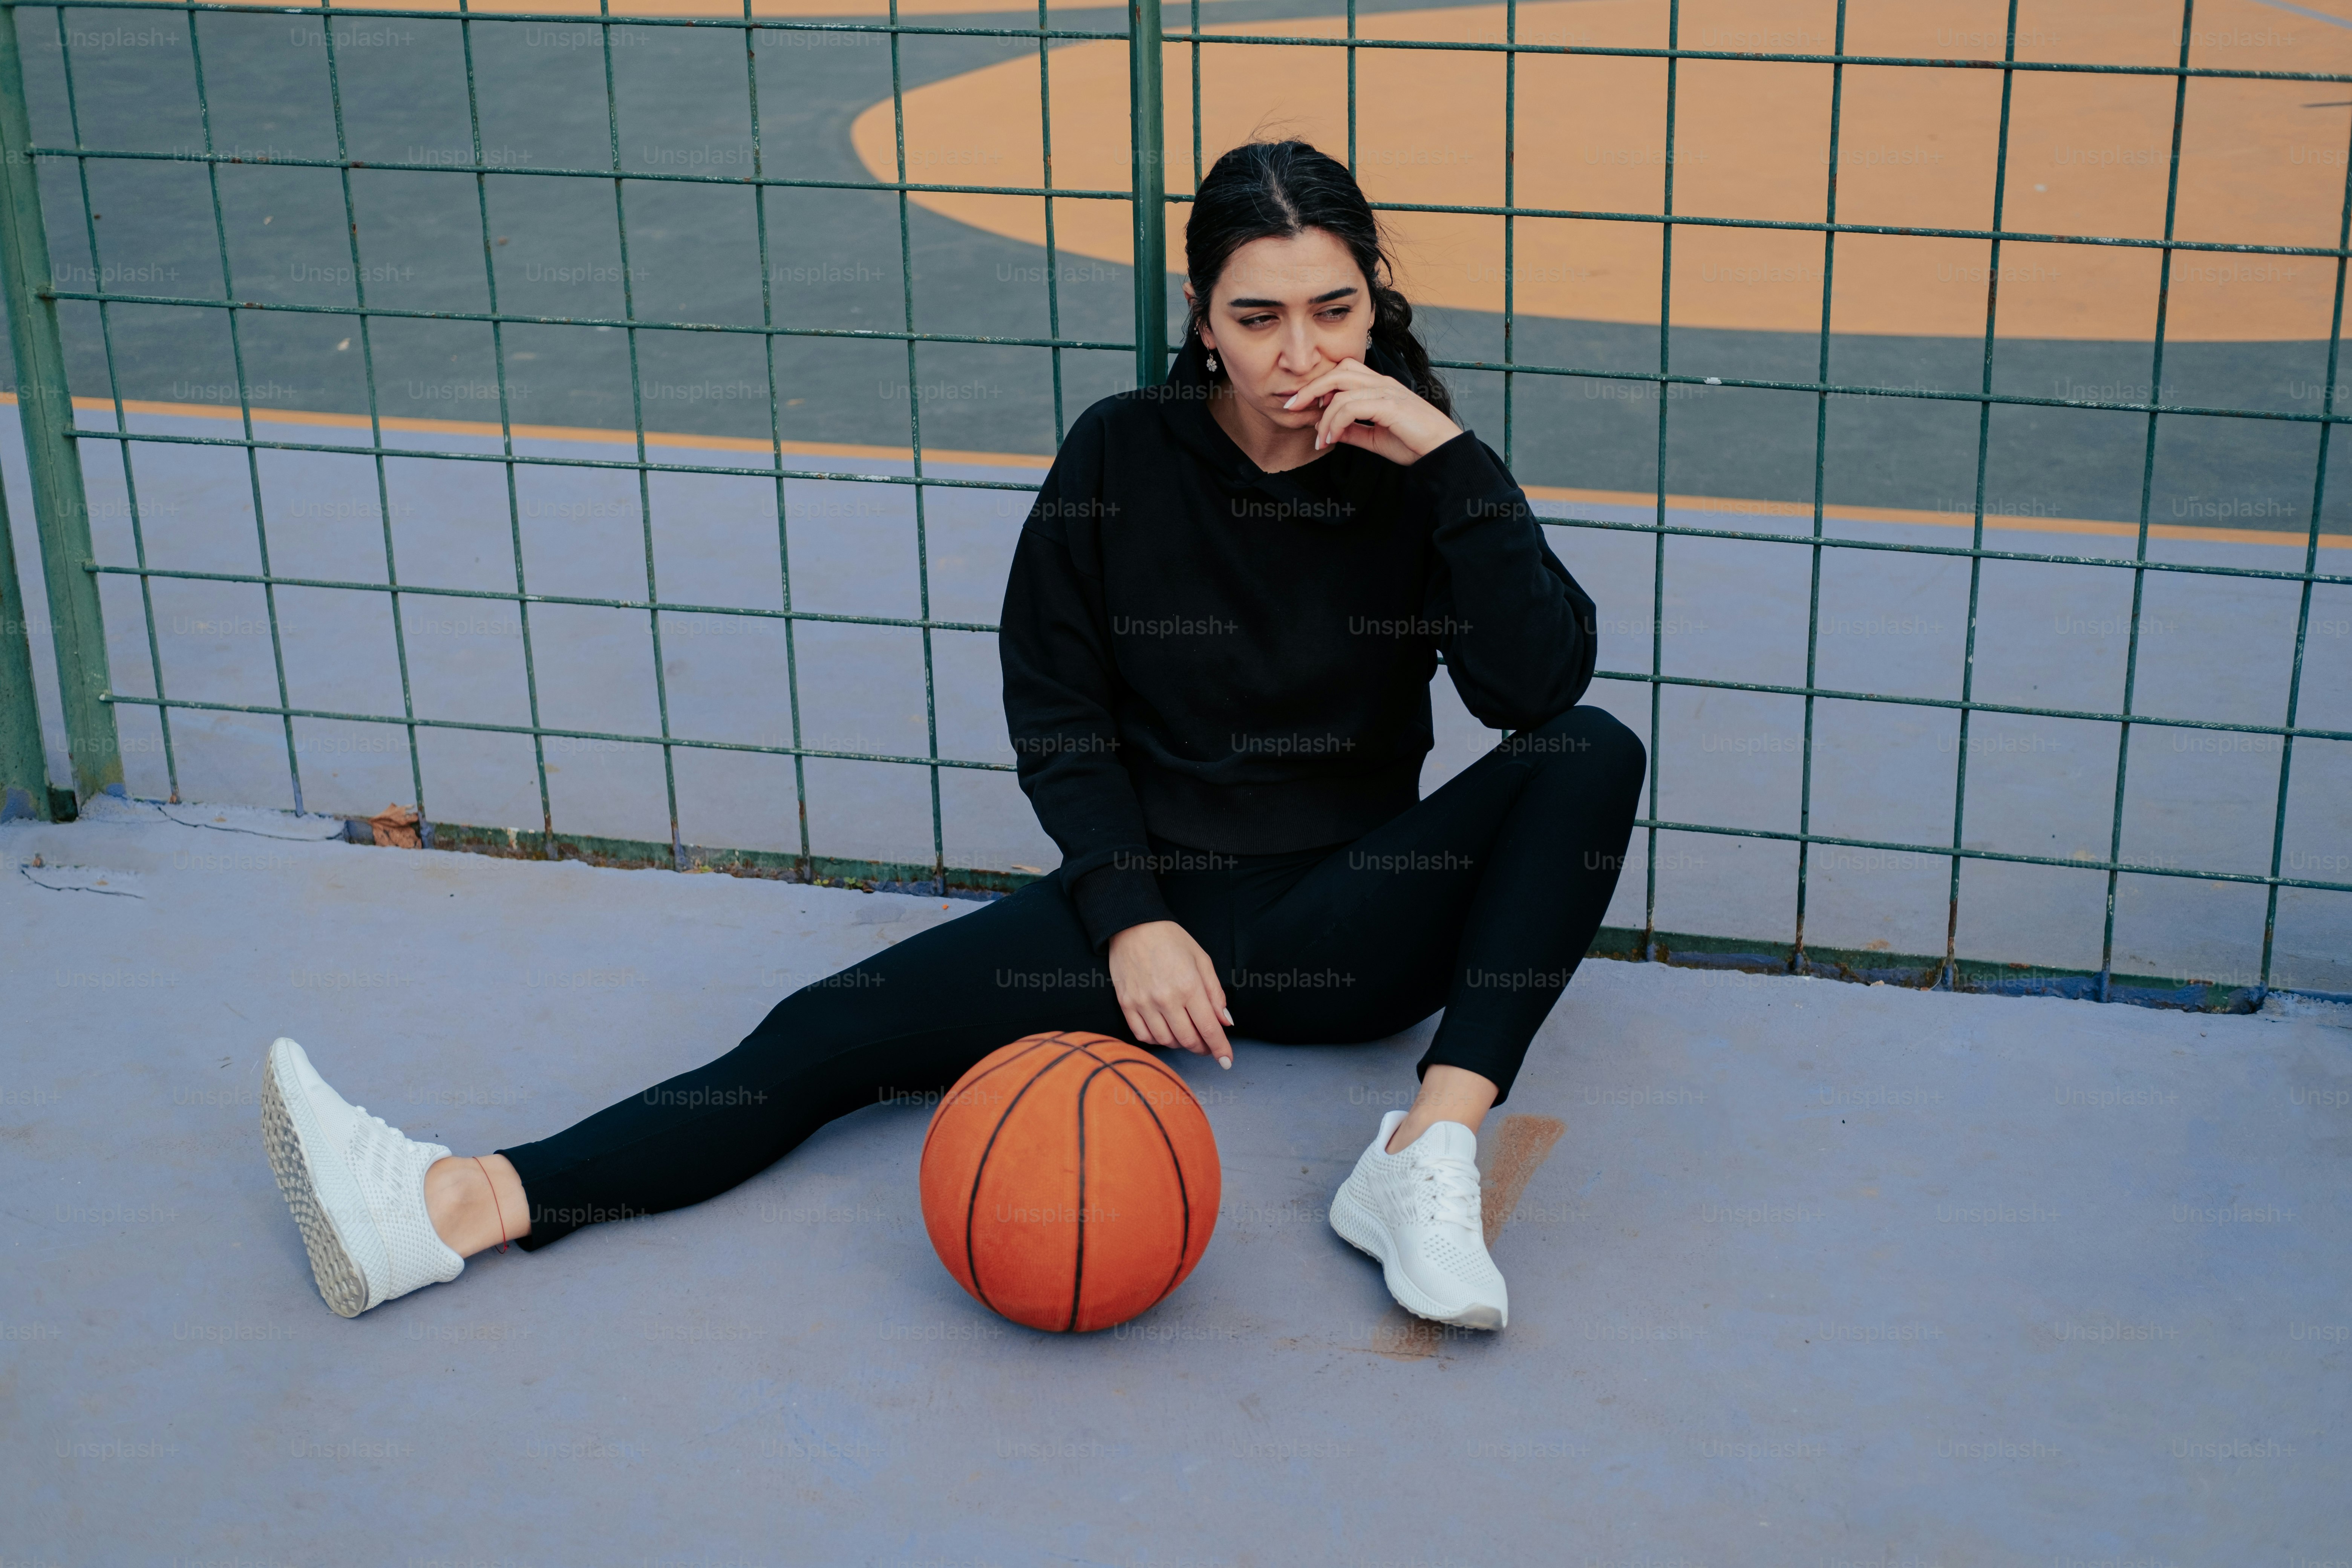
1361, 1229
341, 1281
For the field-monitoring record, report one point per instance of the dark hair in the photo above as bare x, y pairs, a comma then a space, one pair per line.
1278, 190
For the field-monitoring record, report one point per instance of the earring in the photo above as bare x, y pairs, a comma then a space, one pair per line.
1212, 361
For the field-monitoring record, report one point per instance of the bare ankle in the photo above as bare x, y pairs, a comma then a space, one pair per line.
1408, 1131
1448, 1094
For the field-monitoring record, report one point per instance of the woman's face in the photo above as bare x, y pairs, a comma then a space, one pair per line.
1285, 312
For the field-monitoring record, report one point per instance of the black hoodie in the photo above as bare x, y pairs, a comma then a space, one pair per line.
1240, 661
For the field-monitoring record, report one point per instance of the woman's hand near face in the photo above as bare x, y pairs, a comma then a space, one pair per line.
1169, 990
1397, 423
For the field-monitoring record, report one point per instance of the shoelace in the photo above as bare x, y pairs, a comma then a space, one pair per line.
1446, 1190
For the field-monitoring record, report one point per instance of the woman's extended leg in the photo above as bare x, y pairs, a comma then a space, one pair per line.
381, 1214
908, 1021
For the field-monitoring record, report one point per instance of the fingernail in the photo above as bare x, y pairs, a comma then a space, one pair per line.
1227, 1013
1225, 1062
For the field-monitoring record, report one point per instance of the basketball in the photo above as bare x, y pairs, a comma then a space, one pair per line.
1070, 1182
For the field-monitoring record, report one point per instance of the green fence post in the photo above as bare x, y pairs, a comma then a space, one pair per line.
23, 769
1150, 188
44, 409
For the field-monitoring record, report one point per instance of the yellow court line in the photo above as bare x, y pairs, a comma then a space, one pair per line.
553, 433
589, 433
2007, 524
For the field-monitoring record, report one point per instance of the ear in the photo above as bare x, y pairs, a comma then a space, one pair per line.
1208, 339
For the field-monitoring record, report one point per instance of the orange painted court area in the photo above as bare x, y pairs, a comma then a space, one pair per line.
2261, 162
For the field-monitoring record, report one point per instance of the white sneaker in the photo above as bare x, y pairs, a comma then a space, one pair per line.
1418, 1213
356, 1187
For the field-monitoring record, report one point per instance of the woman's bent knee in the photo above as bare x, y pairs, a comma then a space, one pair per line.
1593, 739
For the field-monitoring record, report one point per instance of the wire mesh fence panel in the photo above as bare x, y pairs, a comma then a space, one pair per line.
609, 430
567, 251
1849, 243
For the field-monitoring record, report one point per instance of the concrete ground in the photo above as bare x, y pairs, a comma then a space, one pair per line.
1916, 1278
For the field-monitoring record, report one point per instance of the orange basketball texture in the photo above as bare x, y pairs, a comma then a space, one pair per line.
1070, 1181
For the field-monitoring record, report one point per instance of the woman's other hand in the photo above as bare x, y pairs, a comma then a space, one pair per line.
1361, 407
1169, 990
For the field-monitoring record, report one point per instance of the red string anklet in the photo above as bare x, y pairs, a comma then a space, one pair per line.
494, 1200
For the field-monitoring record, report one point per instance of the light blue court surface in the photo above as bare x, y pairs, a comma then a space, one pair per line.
1816, 1274
2048, 637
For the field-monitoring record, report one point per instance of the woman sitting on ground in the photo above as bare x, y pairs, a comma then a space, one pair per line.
1224, 614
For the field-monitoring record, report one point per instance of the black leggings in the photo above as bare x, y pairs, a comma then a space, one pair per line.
1480, 900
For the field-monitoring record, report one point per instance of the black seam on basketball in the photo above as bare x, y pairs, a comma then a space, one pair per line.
979, 1168
1153, 1063
1175, 1164
991, 1072
1183, 1191
971, 1200
1078, 1264
1162, 1068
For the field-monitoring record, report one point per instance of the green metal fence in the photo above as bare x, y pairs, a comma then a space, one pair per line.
89, 696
